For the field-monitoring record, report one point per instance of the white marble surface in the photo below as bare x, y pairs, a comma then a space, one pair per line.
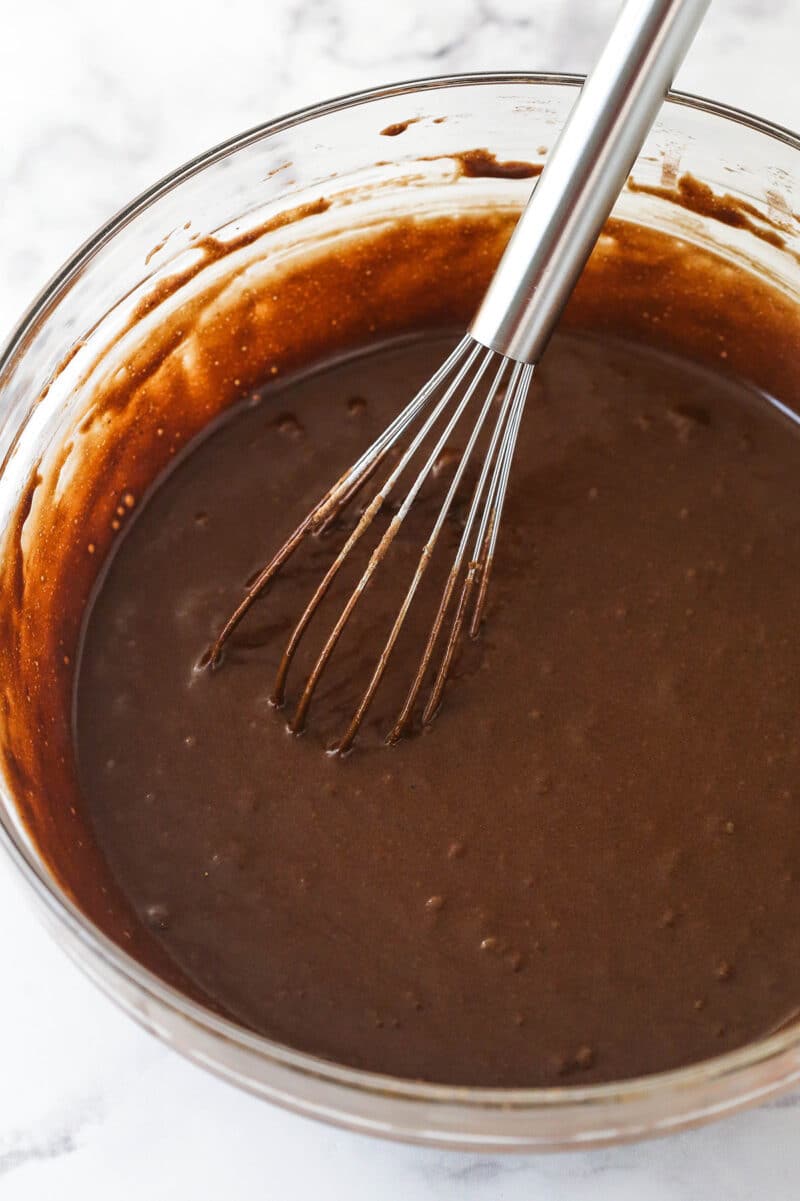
96, 101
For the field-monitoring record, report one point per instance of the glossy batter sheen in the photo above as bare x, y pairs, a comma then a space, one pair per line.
589, 868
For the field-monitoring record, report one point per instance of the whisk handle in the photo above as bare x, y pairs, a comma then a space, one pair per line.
584, 175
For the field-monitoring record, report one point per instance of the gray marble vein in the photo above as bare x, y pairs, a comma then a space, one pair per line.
26, 1148
49, 1137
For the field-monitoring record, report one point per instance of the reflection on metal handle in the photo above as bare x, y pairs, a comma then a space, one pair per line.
584, 175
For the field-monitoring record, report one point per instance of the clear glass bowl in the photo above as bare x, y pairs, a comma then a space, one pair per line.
337, 150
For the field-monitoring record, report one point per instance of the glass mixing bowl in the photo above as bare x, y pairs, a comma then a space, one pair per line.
337, 151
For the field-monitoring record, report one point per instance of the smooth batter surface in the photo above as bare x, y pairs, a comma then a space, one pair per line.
589, 868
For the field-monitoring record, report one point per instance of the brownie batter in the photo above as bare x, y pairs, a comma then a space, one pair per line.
589, 868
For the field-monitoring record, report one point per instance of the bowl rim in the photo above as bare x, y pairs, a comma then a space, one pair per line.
67, 913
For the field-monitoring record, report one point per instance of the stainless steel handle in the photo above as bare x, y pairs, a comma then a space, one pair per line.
584, 175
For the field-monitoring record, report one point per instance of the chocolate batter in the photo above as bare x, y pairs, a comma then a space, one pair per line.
589, 868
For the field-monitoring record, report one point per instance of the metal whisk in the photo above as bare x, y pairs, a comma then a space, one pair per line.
550, 245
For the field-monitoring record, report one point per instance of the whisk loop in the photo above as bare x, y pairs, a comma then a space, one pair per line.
440, 405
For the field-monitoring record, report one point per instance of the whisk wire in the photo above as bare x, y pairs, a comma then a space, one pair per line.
480, 565
494, 510
406, 712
